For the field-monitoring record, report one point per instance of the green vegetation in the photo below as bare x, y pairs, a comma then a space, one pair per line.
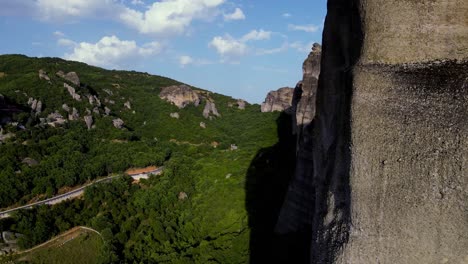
145, 222
77, 246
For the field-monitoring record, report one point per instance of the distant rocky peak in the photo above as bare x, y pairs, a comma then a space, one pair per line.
278, 100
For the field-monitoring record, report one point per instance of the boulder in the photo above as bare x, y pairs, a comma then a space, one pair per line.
71, 77
43, 75
210, 110
174, 115
128, 105
180, 95
118, 123
202, 125
182, 196
74, 115
89, 121
72, 92
107, 110
278, 100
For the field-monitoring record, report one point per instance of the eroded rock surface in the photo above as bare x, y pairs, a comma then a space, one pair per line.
278, 100
385, 179
180, 95
72, 92
118, 123
71, 76
210, 110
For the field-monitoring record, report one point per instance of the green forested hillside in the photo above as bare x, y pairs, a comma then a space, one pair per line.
145, 222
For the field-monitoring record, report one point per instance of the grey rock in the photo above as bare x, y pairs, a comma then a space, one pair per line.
89, 121
43, 75
71, 77
241, 104
66, 107
174, 115
180, 95
30, 162
202, 125
278, 100
118, 123
107, 110
210, 110
74, 115
182, 196
128, 105
72, 92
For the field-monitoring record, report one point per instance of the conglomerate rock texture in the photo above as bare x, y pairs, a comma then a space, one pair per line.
386, 178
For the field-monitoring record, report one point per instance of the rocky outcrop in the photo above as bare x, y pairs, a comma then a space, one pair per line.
89, 121
36, 105
74, 115
94, 100
278, 100
305, 107
385, 178
180, 95
210, 110
107, 111
118, 123
72, 92
43, 75
128, 105
55, 119
71, 77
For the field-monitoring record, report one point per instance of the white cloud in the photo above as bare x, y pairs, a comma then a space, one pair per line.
110, 51
236, 15
231, 49
286, 15
307, 28
170, 16
66, 9
256, 35
228, 47
66, 42
185, 60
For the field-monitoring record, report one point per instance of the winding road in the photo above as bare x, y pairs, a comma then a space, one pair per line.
76, 193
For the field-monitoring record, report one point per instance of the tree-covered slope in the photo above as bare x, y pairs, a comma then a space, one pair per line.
194, 213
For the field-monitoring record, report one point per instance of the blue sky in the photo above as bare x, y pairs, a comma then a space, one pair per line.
239, 48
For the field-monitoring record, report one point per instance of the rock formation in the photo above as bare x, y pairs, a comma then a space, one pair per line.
35, 104
305, 108
128, 105
72, 92
107, 111
278, 100
118, 123
180, 95
210, 110
241, 104
89, 121
43, 75
71, 76
202, 125
55, 118
74, 115
384, 180
174, 115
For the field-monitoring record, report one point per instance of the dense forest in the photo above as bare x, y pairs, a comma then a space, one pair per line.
144, 222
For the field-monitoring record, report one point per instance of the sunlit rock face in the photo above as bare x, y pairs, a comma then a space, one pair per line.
180, 95
278, 100
384, 179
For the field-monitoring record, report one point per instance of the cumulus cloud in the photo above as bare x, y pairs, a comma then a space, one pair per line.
170, 16
231, 49
236, 15
307, 28
112, 52
256, 35
228, 47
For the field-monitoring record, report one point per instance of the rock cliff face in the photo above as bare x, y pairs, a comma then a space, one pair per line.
385, 179
180, 95
278, 100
